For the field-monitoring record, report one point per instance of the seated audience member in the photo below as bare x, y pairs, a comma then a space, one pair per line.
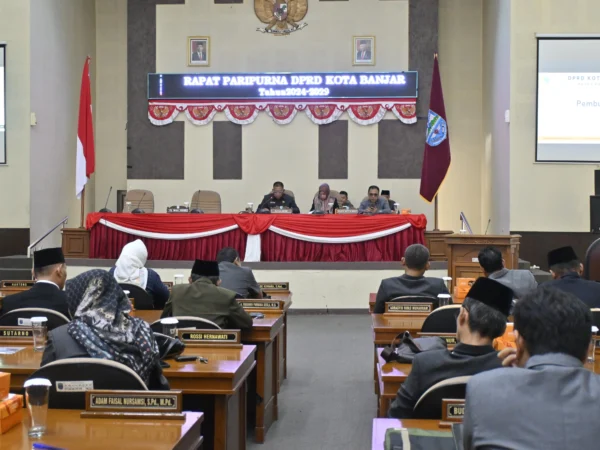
102, 328
520, 281
278, 198
482, 318
374, 204
344, 202
50, 274
235, 277
204, 298
323, 199
566, 271
386, 194
548, 400
413, 282
130, 269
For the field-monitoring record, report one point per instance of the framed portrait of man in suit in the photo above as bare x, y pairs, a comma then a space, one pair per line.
363, 53
198, 51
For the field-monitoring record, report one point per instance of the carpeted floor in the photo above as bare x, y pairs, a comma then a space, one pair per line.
327, 401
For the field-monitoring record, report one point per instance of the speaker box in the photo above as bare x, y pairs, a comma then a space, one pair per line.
595, 213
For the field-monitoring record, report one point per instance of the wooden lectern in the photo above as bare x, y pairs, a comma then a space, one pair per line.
76, 242
463, 250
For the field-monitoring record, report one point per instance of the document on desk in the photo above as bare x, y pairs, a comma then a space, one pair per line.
10, 350
417, 439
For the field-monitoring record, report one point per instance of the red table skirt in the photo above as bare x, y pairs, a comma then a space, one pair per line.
257, 237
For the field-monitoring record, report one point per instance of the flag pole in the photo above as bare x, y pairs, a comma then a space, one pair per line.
83, 207
435, 214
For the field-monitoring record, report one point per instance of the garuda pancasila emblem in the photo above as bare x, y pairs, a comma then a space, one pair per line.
281, 16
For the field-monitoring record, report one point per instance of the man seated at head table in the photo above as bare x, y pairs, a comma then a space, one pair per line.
566, 271
492, 263
543, 398
235, 277
413, 282
482, 318
374, 203
386, 194
50, 275
278, 198
102, 328
204, 298
344, 202
324, 201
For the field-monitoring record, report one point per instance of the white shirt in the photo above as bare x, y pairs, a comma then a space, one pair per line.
48, 282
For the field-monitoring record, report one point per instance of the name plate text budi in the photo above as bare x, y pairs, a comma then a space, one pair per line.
453, 410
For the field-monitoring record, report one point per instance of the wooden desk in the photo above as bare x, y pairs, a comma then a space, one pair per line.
380, 426
287, 297
265, 335
390, 377
217, 388
67, 430
372, 297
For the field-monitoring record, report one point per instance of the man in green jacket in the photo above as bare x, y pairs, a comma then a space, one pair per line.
204, 298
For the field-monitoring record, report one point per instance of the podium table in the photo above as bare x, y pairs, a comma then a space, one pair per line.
463, 250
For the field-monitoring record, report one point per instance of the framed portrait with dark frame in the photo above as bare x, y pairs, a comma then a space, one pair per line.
363, 53
198, 51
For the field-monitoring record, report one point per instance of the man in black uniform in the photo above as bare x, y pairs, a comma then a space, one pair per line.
482, 318
278, 198
50, 274
566, 273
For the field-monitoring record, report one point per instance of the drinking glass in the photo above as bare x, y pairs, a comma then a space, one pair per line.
36, 394
169, 326
131, 300
592, 348
448, 281
127, 207
40, 333
186, 205
250, 206
396, 205
329, 208
178, 279
445, 299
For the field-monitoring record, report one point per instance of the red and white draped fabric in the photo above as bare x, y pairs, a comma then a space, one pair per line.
361, 111
277, 237
85, 157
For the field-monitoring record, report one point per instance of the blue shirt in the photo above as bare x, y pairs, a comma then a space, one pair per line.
155, 287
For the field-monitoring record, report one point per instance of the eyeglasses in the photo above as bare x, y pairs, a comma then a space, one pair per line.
373, 195
277, 192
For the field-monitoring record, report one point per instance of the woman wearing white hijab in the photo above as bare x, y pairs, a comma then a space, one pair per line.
130, 269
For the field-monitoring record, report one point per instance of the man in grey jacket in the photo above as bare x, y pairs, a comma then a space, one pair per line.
549, 400
520, 281
374, 203
235, 277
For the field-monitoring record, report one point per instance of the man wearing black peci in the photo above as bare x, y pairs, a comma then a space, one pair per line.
278, 198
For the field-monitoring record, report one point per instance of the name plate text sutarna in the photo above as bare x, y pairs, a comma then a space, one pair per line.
411, 308
16, 333
18, 284
275, 286
210, 336
258, 304
133, 401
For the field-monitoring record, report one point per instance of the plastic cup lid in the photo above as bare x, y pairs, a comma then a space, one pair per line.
447, 278
37, 382
126, 292
39, 319
169, 321
444, 296
178, 276
594, 329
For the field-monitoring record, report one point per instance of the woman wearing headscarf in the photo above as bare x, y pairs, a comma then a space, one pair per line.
130, 269
323, 199
102, 328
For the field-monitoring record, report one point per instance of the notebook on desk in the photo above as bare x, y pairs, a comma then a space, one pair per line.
417, 439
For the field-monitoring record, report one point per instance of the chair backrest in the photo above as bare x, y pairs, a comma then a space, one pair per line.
141, 197
416, 299
187, 322
84, 374
429, 406
55, 319
441, 320
141, 298
207, 201
591, 267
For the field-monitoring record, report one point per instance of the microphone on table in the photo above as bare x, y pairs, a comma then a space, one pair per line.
488, 226
105, 209
137, 209
196, 210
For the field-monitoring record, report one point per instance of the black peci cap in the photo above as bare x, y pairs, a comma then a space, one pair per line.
493, 294
206, 268
561, 255
385, 192
48, 257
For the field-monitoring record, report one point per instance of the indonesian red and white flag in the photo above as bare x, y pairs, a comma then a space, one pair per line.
86, 160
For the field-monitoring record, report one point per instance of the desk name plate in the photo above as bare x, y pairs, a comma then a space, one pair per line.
22, 334
408, 308
449, 338
285, 286
17, 284
212, 337
155, 404
262, 304
281, 211
453, 409
346, 211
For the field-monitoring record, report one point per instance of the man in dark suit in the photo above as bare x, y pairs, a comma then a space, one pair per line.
413, 282
199, 55
204, 298
235, 277
364, 52
520, 281
482, 318
50, 275
278, 198
566, 273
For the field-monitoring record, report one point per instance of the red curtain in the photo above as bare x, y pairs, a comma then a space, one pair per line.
107, 243
275, 247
